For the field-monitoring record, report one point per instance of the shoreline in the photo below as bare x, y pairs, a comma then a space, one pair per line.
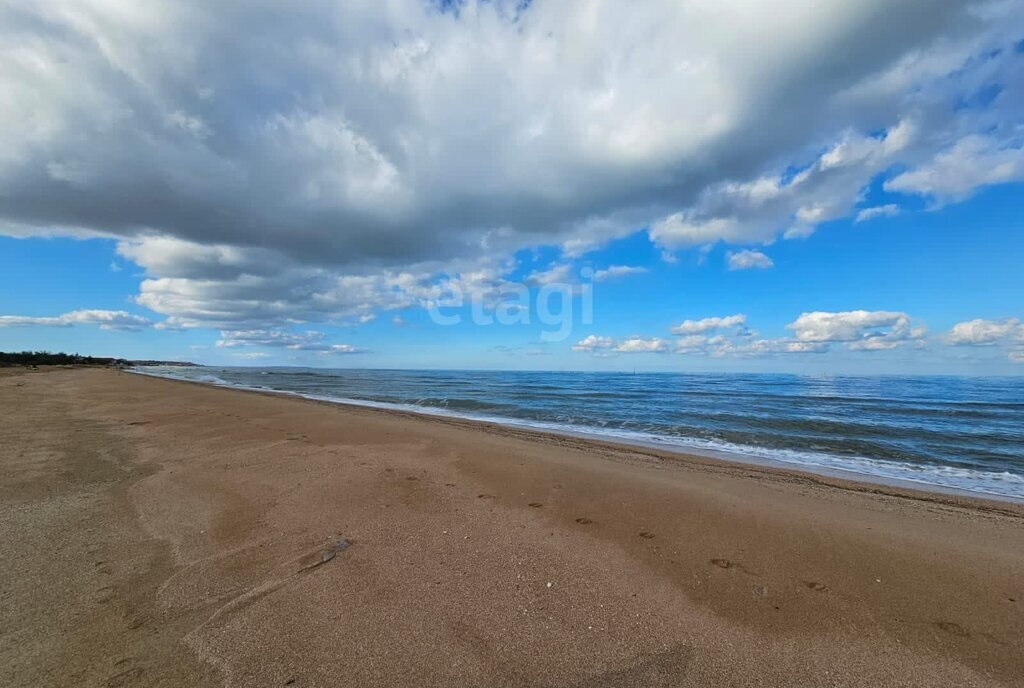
161, 533
836, 477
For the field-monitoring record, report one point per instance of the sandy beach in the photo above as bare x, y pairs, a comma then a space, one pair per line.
163, 533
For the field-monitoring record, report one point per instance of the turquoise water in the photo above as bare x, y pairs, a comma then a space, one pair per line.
953, 432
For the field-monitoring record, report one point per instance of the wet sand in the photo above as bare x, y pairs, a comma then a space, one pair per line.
165, 533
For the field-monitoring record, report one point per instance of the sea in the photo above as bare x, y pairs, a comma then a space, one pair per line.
961, 434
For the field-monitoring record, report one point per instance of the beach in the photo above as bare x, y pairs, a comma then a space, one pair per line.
160, 532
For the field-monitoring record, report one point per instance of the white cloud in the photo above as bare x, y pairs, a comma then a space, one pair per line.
748, 259
594, 343
386, 146
708, 324
616, 271
981, 332
813, 332
309, 340
736, 344
631, 345
556, 274
887, 210
342, 349
639, 345
972, 162
106, 320
790, 204
742, 344
859, 330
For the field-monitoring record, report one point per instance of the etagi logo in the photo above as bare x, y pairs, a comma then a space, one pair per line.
517, 303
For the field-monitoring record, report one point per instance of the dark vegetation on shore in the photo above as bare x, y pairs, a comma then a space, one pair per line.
38, 358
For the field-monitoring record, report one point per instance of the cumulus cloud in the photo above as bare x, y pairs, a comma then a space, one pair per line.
739, 344
859, 330
106, 320
639, 345
743, 343
594, 343
747, 260
293, 163
631, 345
786, 203
980, 332
708, 324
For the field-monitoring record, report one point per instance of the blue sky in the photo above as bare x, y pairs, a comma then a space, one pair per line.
677, 200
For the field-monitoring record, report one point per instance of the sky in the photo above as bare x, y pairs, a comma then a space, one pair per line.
826, 187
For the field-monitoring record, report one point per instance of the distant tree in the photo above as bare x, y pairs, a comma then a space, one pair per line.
37, 358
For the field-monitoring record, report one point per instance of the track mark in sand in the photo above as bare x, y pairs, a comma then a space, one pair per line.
328, 554
485, 496
449, 484
306, 562
668, 668
647, 535
535, 505
952, 628
128, 677
729, 564
815, 585
584, 521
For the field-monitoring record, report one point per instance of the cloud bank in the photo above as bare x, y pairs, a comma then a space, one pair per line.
284, 163
813, 332
106, 320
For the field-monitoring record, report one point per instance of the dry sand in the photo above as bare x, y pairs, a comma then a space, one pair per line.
164, 533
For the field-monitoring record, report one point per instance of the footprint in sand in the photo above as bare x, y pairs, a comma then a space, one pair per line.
128, 677
485, 496
646, 535
815, 585
952, 628
535, 505
584, 521
412, 477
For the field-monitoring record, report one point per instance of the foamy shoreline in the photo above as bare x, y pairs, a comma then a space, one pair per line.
961, 482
